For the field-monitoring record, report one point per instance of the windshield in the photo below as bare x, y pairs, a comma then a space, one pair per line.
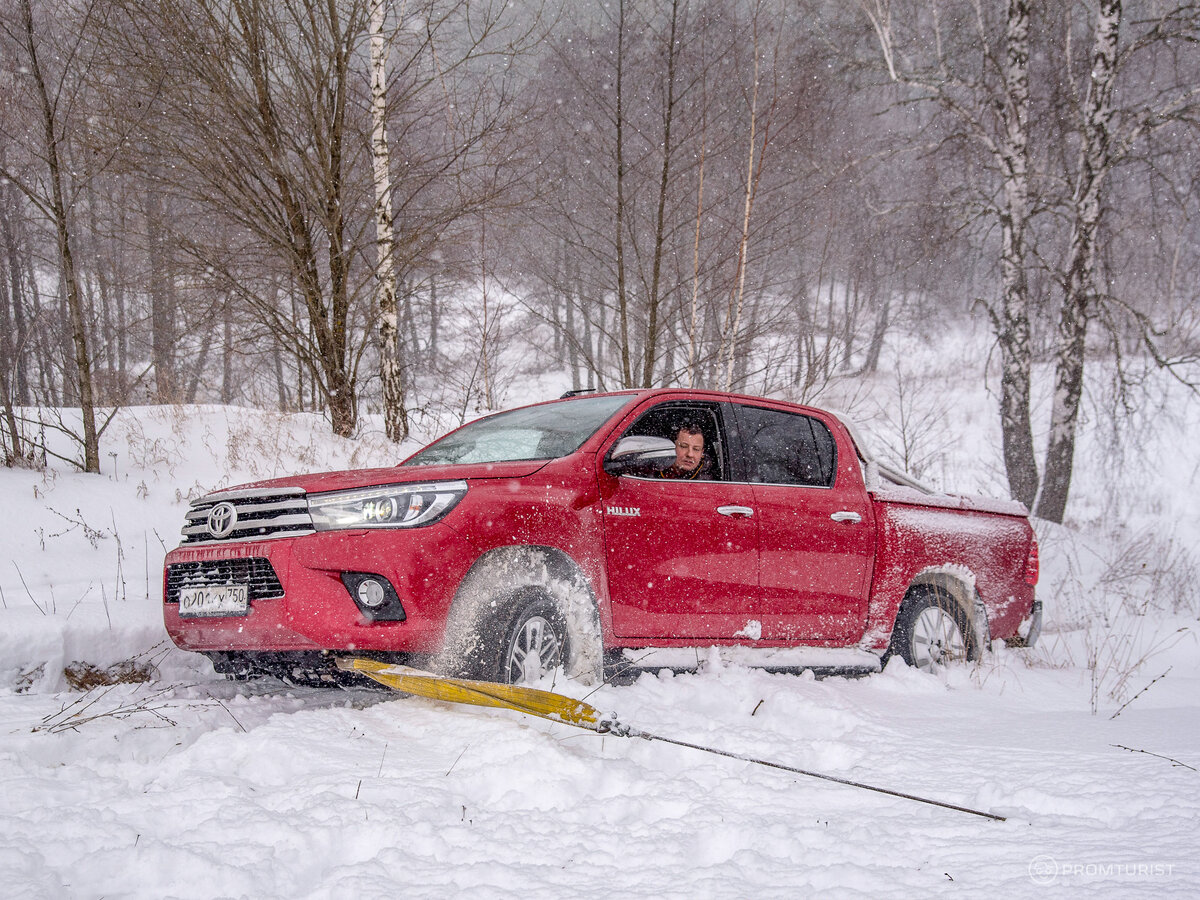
537, 432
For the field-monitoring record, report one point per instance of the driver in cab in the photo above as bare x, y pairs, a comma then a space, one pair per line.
690, 462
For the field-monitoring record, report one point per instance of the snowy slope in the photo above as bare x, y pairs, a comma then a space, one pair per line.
190, 786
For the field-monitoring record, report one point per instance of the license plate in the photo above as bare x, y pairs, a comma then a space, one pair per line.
226, 600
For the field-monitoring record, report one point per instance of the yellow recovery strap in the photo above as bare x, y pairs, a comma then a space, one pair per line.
569, 711
529, 700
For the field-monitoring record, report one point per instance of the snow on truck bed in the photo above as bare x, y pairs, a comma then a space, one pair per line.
913, 497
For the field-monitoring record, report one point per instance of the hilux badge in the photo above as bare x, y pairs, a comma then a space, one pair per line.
624, 511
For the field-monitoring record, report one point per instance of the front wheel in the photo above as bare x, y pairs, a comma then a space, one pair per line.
932, 631
532, 643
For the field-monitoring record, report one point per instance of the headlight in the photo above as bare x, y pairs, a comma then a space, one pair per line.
390, 506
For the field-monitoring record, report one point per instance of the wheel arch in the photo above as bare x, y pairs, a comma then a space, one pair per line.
957, 584
504, 575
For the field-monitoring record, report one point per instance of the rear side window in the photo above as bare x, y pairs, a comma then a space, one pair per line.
787, 448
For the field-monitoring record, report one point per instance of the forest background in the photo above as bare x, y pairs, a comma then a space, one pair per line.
397, 209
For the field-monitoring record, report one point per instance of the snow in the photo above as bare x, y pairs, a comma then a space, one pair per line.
191, 786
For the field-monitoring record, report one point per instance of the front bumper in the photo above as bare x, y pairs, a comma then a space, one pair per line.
311, 607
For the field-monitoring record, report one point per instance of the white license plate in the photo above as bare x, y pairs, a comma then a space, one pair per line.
226, 600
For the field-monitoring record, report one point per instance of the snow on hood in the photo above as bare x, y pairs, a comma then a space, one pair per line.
355, 478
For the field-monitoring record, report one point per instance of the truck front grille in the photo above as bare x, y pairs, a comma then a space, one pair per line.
255, 572
248, 515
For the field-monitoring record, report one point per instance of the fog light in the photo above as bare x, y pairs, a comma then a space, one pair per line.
374, 596
371, 593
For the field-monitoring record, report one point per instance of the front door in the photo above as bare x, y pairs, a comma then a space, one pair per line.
682, 554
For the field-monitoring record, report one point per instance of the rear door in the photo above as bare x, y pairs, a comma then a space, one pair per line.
815, 527
682, 556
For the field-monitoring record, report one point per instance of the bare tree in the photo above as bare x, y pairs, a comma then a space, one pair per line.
1105, 143
989, 95
13, 333
455, 155
55, 78
758, 120
649, 101
252, 119
990, 104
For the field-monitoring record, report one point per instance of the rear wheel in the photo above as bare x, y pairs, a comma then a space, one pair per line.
932, 631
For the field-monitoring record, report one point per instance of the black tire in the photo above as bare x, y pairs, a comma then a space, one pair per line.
524, 642
932, 631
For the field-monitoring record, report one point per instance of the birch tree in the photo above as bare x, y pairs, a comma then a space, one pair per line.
1155, 73
1106, 142
253, 119
395, 416
1080, 269
990, 104
731, 330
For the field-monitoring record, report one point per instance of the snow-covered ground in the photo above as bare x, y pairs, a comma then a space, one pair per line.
190, 786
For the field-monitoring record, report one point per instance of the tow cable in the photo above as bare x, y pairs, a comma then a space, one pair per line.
569, 711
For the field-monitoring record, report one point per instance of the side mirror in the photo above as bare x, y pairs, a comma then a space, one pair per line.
639, 452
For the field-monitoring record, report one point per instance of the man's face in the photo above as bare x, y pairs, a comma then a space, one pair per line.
689, 450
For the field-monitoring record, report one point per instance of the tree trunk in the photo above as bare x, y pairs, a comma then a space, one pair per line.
1013, 333
197, 373
619, 219
66, 259
652, 327
395, 415
572, 341
693, 312
17, 336
113, 390
1009, 105
435, 320
9, 349
226, 352
1080, 281
878, 333
327, 317
737, 299
280, 384
162, 311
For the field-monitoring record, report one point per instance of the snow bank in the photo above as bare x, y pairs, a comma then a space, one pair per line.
191, 786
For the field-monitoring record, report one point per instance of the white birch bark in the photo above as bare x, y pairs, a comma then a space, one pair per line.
1013, 335
395, 416
1008, 148
1079, 287
738, 299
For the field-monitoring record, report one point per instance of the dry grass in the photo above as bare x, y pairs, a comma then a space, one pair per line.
83, 676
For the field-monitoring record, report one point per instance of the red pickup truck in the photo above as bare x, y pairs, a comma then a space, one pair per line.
605, 533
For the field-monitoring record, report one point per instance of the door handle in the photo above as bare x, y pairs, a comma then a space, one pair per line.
742, 512
846, 516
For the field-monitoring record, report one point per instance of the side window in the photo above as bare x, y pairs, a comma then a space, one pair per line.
787, 448
664, 421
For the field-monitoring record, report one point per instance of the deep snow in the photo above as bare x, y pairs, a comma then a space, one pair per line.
191, 786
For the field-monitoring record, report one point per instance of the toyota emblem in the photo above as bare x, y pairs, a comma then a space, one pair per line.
221, 519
